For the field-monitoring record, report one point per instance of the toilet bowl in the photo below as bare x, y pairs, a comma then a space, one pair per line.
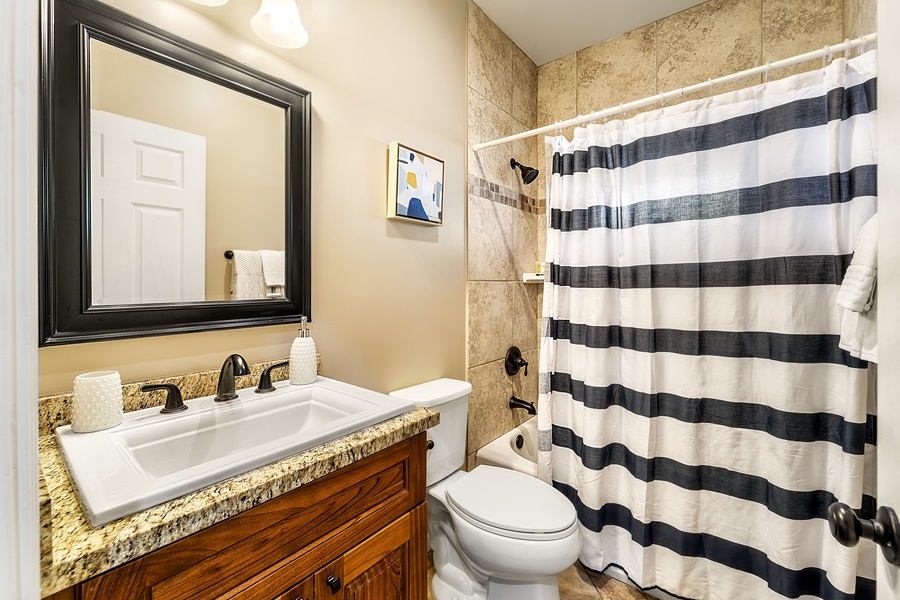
496, 534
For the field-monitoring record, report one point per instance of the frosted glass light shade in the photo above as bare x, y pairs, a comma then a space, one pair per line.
278, 22
210, 2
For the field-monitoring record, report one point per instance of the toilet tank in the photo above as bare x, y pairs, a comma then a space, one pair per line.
450, 397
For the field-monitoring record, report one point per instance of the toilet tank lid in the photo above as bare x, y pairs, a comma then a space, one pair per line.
433, 393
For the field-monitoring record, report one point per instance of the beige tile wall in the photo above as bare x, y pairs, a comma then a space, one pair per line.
503, 223
508, 94
859, 18
710, 40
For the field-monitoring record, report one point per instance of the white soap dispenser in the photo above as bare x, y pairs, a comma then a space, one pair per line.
303, 357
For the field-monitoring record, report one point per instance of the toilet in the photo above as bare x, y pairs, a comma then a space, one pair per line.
496, 534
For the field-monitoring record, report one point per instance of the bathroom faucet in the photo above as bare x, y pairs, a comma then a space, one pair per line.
234, 365
519, 403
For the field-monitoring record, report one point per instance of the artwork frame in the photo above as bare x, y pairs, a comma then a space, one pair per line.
415, 186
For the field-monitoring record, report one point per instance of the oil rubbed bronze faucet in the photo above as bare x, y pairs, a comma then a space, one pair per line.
234, 365
519, 403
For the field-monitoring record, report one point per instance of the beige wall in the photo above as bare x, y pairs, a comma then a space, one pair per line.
244, 149
716, 38
388, 297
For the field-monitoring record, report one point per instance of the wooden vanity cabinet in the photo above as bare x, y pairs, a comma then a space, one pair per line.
356, 534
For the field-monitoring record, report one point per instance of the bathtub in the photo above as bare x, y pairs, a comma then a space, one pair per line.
517, 449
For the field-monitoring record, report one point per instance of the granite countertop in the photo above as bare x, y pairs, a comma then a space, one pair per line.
73, 551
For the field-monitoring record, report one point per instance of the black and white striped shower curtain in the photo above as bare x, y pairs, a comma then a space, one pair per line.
694, 403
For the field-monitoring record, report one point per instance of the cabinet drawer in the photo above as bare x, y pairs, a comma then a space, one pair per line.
330, 514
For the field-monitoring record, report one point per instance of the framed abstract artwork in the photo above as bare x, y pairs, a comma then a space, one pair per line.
415, 186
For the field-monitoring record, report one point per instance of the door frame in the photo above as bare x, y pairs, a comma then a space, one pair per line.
888, 577
19, 167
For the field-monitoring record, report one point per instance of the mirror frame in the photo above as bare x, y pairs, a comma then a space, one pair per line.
67, 315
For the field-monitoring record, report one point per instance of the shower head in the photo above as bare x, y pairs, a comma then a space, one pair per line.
529, 174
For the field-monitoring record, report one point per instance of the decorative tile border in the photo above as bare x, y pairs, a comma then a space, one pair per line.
482, 188
56, 411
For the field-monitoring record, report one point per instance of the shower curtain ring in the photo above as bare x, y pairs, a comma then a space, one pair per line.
826, 56
847, 48
766, 74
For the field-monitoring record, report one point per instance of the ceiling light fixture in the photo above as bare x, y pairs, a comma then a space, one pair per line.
278, 22
210, 2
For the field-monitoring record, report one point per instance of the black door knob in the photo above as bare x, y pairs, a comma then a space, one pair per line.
847, 528
333, 583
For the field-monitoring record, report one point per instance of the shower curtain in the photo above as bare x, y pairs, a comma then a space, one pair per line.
694, 404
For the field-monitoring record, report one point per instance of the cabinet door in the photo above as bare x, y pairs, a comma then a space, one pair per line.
305, 590
391, 564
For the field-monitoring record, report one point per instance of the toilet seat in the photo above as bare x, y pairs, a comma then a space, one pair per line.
511, 504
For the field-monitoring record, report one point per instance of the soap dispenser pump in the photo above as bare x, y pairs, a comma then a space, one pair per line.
303, 357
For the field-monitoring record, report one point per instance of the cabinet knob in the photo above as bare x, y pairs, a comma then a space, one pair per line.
333, 583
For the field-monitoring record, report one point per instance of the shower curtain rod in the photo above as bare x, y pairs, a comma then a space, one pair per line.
825, 52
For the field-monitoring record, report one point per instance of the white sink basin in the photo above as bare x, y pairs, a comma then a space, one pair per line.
151, 458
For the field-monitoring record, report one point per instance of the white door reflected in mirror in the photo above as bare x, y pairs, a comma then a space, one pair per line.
148, 212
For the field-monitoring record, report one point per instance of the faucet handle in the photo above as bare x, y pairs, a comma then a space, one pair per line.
174, 403
265, 379
514, 361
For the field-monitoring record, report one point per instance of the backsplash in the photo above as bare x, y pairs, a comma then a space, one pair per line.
56, 410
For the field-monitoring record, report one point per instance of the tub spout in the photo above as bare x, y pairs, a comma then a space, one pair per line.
519, 403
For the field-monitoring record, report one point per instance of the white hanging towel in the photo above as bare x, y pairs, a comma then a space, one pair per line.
273, 272
857, 296
247, 281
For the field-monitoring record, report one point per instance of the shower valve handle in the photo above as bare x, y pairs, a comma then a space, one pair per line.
847, 528
514, 362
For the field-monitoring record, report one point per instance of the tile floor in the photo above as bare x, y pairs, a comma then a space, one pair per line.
577, 584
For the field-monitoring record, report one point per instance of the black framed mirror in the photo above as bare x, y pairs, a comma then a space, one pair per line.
267, 202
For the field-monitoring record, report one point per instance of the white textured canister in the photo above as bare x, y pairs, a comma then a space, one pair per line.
96, 401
